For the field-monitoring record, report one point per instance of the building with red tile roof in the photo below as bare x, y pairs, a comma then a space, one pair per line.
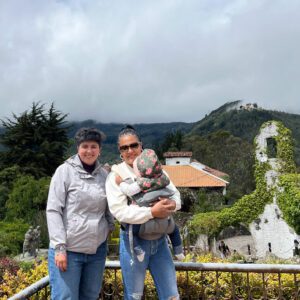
184, 172
189, 176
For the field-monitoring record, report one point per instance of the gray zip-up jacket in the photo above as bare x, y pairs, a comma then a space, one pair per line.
77, 211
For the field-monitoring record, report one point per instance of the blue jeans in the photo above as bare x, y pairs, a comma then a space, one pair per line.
83, 278
157, 259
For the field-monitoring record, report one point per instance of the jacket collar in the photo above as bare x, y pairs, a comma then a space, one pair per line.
75, 162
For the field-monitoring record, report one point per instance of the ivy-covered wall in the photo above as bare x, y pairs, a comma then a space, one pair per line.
249, 207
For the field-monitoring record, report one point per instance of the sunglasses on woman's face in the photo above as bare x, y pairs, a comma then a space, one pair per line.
131, 146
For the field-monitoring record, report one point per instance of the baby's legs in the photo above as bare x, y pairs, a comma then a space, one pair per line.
176, 242
138, 250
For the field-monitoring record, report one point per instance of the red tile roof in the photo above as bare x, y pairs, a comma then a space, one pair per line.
211, 170
178, 154
215, 172
188, 176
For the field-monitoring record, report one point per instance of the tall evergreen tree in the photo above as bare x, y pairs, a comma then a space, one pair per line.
36, 140
173, 141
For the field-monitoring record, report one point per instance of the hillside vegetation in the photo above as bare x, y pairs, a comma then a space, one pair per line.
245, 124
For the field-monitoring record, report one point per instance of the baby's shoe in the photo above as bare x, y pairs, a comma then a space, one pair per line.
180, 256
141, 256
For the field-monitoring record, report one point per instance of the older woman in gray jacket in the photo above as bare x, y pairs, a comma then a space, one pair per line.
78, 222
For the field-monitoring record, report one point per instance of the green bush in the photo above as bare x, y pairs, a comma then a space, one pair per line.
28, 196
12, 237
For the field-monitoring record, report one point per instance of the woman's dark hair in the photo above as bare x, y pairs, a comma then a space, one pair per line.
88, 134
128, 130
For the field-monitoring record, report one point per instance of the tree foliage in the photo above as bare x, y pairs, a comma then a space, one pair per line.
188, 198
208, 200
7, 178
12, 237
229, 154
173, 141
28, 196
36, 140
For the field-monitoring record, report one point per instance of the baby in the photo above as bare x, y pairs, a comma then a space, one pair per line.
151, 183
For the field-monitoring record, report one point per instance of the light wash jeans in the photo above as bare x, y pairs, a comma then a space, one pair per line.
157, 259
83, 278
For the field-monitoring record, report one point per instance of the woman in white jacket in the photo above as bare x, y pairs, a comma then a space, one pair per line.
78, 222
157, 258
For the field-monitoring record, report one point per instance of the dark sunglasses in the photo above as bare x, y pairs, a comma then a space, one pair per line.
126, 147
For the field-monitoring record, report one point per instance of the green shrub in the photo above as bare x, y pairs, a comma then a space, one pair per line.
12, 237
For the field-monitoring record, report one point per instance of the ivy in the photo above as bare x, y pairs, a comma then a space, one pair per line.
249, 207
289, 199
285, 149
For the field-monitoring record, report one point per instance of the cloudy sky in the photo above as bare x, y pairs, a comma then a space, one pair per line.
148, 61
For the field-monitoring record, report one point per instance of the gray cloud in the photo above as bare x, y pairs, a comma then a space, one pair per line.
148, 61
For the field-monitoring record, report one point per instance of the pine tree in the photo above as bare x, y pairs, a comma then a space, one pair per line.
36, 140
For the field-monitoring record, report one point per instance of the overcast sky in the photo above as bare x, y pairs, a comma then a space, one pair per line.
148, 61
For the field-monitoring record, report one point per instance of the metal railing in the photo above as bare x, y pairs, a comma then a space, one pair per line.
202, 281
38, 290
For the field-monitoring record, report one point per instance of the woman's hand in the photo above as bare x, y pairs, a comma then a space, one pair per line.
61, 261
163, 208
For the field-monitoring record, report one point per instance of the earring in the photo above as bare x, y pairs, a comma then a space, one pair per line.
121, 156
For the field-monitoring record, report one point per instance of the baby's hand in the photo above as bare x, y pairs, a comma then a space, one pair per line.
118, 179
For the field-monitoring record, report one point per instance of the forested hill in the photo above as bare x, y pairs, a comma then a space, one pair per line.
152, 134
245, 124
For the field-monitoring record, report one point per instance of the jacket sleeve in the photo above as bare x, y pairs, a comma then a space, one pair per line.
108, 215
176, 196
110, 219
117, 202
130, 189
55, 206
